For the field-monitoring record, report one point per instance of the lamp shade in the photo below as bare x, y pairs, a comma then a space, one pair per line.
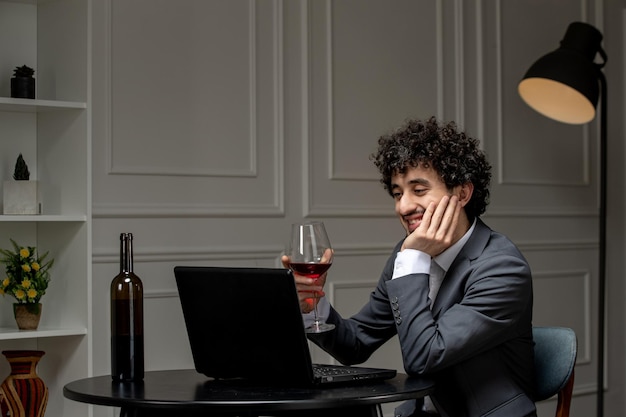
564, 84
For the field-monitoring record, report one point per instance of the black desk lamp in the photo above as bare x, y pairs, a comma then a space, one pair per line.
564, 85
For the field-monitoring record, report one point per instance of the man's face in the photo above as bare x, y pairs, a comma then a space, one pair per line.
413, 191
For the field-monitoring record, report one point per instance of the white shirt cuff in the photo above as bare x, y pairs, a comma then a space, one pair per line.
411, 261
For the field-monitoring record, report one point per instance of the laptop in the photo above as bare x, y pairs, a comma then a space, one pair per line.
245, 323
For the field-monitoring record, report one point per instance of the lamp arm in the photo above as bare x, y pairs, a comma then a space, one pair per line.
602, 242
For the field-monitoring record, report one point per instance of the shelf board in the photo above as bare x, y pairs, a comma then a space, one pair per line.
43, 218
8, 333
25, 105
21, 1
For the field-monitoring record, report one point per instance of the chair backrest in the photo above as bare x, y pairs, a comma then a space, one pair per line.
555, 357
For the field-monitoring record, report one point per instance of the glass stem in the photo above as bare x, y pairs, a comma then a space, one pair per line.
316, 318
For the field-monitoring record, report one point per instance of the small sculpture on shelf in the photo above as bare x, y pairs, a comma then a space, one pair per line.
21, 172
21, 195
23, 83
27, 278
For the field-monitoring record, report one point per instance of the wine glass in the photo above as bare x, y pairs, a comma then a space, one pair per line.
310, 255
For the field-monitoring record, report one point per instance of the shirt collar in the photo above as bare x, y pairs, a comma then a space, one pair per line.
445, 258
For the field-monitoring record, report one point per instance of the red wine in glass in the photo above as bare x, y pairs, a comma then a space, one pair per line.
309, 270
310, 255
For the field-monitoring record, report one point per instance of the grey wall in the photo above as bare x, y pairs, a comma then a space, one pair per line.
216, 124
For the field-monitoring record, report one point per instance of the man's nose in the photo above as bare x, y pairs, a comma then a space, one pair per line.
406, 205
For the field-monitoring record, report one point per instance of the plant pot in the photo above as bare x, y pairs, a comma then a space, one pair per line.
23, 87
21, 197
27, 315
23, 392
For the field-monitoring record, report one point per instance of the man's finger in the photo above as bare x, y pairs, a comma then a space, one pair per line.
438, 215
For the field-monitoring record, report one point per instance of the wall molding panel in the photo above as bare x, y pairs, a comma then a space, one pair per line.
338, 177
582, 278
207, 253
555, 160
188, 149
122, 210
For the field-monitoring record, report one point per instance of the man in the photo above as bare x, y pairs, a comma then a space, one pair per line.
457, 294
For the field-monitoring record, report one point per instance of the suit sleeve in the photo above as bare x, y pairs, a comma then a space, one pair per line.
494, 295
355, 339
477, 309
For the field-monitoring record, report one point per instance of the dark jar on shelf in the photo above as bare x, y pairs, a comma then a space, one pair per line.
23, 87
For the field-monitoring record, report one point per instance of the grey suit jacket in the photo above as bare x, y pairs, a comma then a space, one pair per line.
476, 342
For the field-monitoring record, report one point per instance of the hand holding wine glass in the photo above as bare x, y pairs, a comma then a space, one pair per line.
310, 255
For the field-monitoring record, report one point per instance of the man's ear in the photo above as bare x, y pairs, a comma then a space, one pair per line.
465, 193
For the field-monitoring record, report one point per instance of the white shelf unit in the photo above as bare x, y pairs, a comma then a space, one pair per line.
53, 133
11, 333
43, 218
24, 105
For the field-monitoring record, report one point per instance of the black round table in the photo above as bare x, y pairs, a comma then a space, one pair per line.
188, 393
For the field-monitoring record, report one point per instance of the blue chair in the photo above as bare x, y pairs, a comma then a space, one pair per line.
555, 357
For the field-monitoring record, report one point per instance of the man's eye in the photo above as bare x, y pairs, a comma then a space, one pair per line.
420, 191
396, 196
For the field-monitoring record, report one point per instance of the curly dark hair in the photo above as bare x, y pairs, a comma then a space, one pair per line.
455, 156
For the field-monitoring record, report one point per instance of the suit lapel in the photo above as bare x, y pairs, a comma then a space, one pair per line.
451, 289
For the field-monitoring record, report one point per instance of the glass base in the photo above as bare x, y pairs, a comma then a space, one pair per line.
319, 327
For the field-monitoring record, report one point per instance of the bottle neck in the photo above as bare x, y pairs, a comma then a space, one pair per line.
126, 252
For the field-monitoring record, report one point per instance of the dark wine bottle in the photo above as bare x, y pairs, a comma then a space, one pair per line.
127, 362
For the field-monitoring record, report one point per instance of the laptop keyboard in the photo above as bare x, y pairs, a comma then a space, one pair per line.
330, 370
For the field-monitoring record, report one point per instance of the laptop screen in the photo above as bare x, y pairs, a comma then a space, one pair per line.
244, 323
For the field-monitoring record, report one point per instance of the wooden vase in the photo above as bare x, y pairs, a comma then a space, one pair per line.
23, 393
27, 315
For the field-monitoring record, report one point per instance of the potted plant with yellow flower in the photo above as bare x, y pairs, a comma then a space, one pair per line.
27, 278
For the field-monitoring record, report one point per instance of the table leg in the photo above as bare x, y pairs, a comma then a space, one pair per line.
128, 412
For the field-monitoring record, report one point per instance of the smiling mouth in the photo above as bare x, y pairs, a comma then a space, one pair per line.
413, 222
